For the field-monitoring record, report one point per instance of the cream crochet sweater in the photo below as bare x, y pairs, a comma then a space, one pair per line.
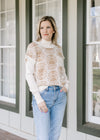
44, 63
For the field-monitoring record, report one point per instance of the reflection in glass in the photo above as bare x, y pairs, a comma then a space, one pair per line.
40, 1
96, 104
95, 29
93, 78
96, 68
96, 80
2, 5
95, 20
96, 55
95, 8
93, 62
40, 10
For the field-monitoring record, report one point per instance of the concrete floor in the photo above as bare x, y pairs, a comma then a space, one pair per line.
4, 135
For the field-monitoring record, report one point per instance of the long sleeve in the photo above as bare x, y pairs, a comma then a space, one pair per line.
30, 60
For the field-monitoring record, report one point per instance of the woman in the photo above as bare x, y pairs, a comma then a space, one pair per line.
47, 80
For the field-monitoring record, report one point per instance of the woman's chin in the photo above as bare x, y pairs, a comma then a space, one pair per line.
46, 38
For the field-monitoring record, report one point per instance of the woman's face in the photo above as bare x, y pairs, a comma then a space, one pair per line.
46, 30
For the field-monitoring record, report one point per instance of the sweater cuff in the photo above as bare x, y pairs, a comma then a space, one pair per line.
38, 97
67, 86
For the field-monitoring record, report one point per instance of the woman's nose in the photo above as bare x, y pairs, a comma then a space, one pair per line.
45, 29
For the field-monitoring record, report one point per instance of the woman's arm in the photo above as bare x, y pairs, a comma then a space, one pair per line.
30, 60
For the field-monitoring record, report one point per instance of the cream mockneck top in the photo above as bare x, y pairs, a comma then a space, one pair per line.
44, 63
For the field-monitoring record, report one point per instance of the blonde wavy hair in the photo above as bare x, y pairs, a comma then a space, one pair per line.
53, 24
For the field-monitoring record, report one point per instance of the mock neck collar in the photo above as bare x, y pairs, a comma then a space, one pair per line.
45, 42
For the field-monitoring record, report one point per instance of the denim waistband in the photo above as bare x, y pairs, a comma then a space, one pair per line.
53, 87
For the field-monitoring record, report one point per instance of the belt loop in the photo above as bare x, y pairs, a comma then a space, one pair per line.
54, 88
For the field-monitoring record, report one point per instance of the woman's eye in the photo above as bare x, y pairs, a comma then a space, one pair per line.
44, 28
48, 27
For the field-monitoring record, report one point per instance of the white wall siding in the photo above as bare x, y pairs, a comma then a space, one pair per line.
89, 137
14, 120
4, 117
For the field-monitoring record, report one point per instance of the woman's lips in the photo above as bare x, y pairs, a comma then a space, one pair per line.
45, 34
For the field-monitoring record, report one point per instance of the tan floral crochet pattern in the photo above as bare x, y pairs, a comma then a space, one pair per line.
49, 66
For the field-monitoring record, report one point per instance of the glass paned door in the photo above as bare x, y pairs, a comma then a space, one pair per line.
7, 51
93, 61
47, 8
35, 10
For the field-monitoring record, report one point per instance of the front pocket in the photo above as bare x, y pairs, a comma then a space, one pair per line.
63, 93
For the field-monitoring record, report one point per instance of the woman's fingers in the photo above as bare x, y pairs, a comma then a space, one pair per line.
63, 89
42, 106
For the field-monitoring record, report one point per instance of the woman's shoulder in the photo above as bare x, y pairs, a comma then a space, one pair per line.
31, 48
31, 51
60, 50
58, 46
33, 44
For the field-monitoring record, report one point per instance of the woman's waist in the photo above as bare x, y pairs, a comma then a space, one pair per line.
50, 87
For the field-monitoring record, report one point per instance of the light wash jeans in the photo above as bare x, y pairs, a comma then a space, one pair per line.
48, 125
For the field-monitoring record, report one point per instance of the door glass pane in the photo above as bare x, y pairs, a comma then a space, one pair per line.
93, 63
7, 51
47, 8
95, 20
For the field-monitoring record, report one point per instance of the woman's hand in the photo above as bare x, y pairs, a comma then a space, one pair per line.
42, 107
63, 89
